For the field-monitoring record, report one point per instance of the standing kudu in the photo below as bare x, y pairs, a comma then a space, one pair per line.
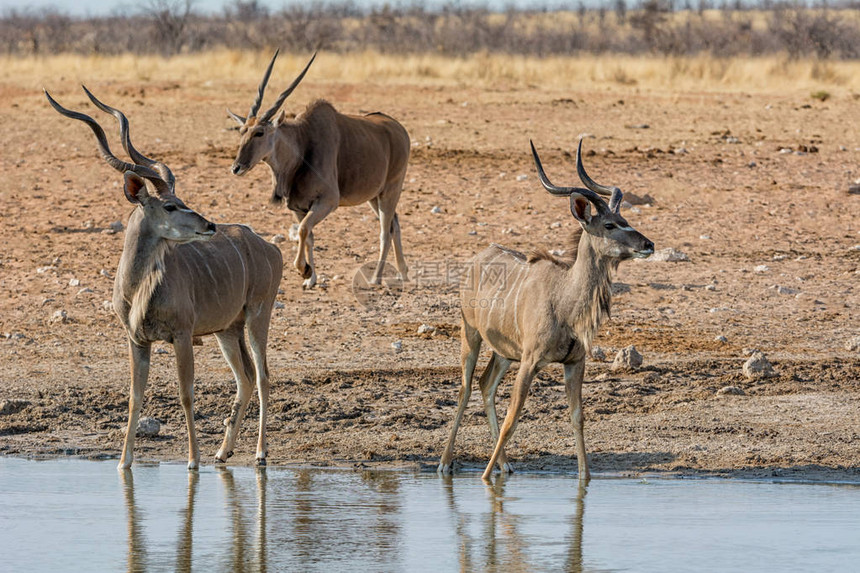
323, 159
179, 277
537, 310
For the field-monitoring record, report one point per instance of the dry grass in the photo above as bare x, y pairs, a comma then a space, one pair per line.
614, 72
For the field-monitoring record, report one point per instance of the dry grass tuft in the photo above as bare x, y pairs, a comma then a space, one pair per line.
617, 72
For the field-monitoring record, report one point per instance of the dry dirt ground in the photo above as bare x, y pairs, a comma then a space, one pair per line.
753, 188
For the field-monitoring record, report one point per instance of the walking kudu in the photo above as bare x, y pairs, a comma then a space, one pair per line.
323, 159
179, 277
537, 310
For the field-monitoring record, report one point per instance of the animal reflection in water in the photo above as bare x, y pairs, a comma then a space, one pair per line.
501, 545
247, 551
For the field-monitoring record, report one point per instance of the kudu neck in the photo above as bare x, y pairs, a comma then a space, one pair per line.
586, 296
143, 253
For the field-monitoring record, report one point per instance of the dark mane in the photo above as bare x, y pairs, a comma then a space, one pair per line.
541, 254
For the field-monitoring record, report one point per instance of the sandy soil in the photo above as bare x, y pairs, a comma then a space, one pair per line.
737, 180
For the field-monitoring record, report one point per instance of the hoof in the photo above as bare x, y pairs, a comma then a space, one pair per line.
444, 469
507, 468
309, 283
307, 272
193, 466
261, 462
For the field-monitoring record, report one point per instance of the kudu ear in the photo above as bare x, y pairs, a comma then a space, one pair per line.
236, 117
580, 208
134, 187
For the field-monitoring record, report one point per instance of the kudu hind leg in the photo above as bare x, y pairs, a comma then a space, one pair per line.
469, 350
236, 354
489, 384
258, 335
139, 362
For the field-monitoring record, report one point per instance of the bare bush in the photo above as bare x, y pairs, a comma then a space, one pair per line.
171, 26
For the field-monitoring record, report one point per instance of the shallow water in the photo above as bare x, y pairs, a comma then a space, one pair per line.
75, 515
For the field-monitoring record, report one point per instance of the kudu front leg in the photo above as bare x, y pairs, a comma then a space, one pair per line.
518, 398
185, 369
139, 362
573, 375
304, 262
489, 384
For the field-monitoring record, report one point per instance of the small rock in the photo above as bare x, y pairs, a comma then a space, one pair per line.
853, 344
721, 338
397, 345
854, 248
85, 290
752, 164
555, 225
669, 255
426, 329
705, 237
148, 427
758, 366
278, 305
785, 290
731, 391
74, 282
107, 305
711, 287
761, 269
680, 151
635, 199
293, 233
116, 227
854, 189
60, 316
436, 209
627, 359
598, 354
105, 273
12, 406
473, 232
160, 351
522, 177
277, 239
780, 257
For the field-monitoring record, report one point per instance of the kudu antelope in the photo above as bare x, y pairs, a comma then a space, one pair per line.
324, 159
537, 309
179, 277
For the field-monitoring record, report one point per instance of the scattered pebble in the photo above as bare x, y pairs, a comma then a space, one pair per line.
277, 239
426, 329
436, 209
85, 290
731, 391
293, 232
627, 359
854, 189
473, 232
160, 351
711, 287
74, 282
853, 344
669, 255
522, 177
785, 290
780, 257
278, 305
148, 427
60, 316
680, 151
705, 237
555, 225
397, 345
12, 406
758, 366
105, 273
116, 227
721, 338
598, 354
761, 269
107, 305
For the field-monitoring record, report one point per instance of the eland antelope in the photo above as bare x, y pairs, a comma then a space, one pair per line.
536, 309
179, 277
324, 159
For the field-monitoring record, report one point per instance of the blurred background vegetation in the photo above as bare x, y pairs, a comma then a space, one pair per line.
678, 28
